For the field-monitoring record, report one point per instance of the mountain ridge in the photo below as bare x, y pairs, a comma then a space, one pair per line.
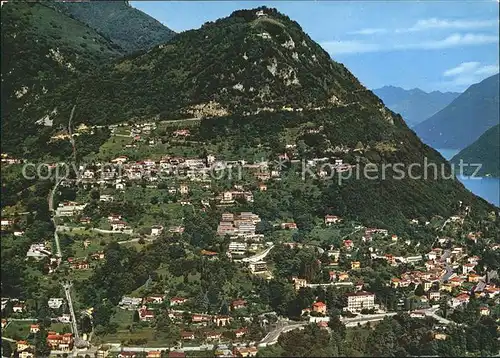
128, 27
415, 105
485, 150
259, 83
41, 49
465, 119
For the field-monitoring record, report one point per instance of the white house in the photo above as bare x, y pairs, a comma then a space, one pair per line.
55, 303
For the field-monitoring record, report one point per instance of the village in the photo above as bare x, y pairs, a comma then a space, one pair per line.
163, 189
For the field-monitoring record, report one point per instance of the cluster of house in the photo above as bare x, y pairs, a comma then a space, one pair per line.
195, 169
38, 251
222, 350
60, 342
9, 225
241, 225
229, 197
103, 353
440, 276
147, 308
6, 159
356, 302
70, 208
55, 341
24, 349
117, 223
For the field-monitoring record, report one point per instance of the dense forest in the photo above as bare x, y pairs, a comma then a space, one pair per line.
124, 25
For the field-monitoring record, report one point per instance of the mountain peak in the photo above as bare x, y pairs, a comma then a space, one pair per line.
252, 61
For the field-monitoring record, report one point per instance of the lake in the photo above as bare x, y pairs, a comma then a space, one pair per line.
487, 188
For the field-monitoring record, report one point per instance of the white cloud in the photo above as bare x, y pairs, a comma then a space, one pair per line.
432, 24
464, 67
369, 31
489, 70
454, 40
466, 74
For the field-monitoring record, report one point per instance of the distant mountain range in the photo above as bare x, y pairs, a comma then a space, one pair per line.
465, 119
485, 150
414, 105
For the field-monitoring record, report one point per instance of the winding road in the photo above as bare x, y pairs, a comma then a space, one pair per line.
258, 257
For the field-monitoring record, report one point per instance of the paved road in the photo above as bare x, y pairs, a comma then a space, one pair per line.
22, 319
74, 326
444, 224
203, 347
180, 120
69, 228
272, 337
51, 209
258, 257
449, 269
363, 319
150, 239
353, 232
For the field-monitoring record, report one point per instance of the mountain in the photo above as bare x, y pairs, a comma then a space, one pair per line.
241, 64
414, 105
486, 151
129, 28
41, 49
462, 122
259, 83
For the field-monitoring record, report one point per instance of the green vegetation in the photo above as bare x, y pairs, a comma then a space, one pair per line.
129, 28
484, 151
41, 49
399, 336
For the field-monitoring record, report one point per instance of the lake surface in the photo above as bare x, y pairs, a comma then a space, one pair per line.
487, 188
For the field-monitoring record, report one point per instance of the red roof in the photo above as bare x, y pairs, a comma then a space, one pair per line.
239, 302
208, 253
319, 304
178, 299
173, 354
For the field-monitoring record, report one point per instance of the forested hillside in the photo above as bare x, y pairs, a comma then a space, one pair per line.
484, 151
127, 27
41, 49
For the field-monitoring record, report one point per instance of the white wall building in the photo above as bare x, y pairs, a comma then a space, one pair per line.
358, 301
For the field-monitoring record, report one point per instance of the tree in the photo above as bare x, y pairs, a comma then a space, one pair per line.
6, 349
419, 291
337, 326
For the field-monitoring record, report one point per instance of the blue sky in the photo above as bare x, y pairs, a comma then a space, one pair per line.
432, 45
